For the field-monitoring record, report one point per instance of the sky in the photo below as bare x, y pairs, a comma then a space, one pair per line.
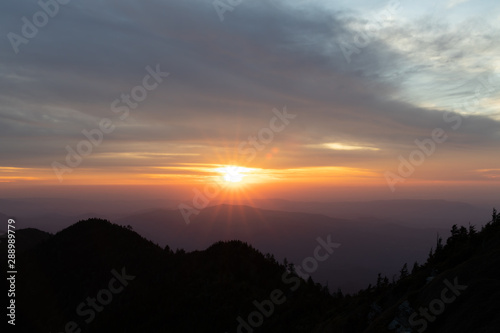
302, 97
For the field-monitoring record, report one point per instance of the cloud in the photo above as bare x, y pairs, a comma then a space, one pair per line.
227, 77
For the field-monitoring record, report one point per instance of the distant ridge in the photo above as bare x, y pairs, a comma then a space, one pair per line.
179, 291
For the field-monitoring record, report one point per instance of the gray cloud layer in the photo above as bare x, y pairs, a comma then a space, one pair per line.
226, 77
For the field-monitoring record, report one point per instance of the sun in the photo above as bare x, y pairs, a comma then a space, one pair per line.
233, 173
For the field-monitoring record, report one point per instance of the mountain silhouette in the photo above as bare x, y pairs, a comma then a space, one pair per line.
96, 276
201, 291
367, 246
